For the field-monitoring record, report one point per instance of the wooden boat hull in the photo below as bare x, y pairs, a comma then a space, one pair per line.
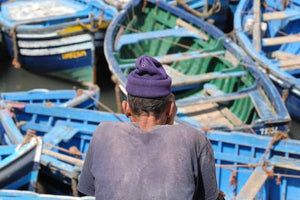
64, 98
234, 151
279, 56
19, 169
206, 68
61, 46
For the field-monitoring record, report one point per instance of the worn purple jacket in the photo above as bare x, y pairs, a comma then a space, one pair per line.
169, 162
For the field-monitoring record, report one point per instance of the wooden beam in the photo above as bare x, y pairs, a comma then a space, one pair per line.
257, 25
288, 64
69, 159
280, 55
191, 28
279, 15
281, 40
180, 79
253, 185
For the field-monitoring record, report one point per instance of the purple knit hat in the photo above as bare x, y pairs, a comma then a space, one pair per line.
149, 79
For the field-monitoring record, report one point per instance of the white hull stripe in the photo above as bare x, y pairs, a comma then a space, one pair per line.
59, 50
277, 80
296, 91
39, 147
99, 35
55, 42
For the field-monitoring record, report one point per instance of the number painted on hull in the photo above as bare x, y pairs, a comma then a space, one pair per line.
268, 130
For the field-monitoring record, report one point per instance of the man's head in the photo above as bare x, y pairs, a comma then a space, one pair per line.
149, 90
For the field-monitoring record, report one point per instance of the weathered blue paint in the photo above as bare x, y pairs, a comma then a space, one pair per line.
19, 166
63, 98
284, 79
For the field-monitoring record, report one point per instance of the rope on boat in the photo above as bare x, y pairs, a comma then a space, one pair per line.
117, 93
279, 135
104, 106
144, 5
15, 61
27, 137
74, 186
72, 150
86, 28
132, 9
214, 9
285, 94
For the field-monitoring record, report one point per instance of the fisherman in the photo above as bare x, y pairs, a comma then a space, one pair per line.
149, 157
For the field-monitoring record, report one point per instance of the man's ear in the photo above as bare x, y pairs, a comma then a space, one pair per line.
171, 109
126, 108
171, 112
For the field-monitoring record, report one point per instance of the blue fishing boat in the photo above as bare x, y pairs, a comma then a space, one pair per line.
275, 45
19, 165
239, 156
26, 195
215, 82
66, 98
256, 167
66, 135
57, 38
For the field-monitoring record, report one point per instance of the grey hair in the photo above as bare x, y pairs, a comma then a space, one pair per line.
157, 106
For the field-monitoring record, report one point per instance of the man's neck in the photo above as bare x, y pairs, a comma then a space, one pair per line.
147, 122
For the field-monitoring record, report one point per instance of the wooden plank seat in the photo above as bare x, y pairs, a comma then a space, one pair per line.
176, 57
133, 38
280, 40
223, 97
288, 13
180, 79
208, 112
209, 115
280, 55
287, 61
291, 64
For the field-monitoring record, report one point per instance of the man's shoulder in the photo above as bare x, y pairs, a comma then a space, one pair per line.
113, 127
184, 130
112, 124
